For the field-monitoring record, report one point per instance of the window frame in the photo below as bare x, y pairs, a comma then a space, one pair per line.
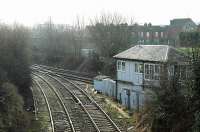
120, 67
156, 34
157, 73
147, 34
149, 71
161, 34
139, 68
123, 67
142, 34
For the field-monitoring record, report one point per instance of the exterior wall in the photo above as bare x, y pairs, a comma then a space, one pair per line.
109, 87
130, 94
106, 86
129, 74
98, 85
149, 34
131, 84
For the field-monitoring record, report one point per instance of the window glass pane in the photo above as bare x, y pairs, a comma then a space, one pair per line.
136, 67
151, 71
123, 66
161, 34
156, 34
148, 34
157, 72
147, 71
142, 34
118, 65
157, 69
141, 68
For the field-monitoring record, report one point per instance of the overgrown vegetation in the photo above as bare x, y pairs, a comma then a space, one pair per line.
15, 78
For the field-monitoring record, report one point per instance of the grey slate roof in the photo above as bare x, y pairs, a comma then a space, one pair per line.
157, 53
180, 21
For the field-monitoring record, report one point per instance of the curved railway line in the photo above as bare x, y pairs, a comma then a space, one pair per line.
73, 75
42, 109
84, 112
59, 117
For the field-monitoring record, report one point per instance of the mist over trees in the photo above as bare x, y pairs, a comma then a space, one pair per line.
57, 45
61, 45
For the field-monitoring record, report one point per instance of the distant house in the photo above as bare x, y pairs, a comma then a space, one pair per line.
180, 25
149, 34
139, 68
158, 34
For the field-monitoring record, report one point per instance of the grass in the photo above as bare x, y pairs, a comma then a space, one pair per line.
39, 125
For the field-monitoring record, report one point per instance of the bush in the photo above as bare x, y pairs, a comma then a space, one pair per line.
12, 115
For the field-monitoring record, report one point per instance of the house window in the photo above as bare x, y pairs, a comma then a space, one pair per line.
157, 72
142, 34
152, 71
121, 65
156, 34
139, 68
161, 34
133, 34
147, 71
148, 34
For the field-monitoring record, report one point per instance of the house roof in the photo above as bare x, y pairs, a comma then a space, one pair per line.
156, 53
181, 22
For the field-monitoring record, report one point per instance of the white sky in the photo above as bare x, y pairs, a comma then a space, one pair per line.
159, 12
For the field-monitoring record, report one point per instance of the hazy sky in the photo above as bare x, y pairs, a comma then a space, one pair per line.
31, 12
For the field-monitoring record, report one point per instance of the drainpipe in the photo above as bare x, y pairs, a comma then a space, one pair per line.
116, 89
137, 96
129, 93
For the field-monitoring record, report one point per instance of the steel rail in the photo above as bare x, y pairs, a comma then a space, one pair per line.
95, 104
78, 100
67, 75
60, 99
89, 75
48, 106
92, 100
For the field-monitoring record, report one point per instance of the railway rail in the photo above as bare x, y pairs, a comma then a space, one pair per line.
74, 75
59, 116
42, 109
80, 116
99, 119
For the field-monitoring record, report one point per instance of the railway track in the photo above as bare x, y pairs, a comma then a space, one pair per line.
74, 75
79, 115
42, 109
101, 121
59, 116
